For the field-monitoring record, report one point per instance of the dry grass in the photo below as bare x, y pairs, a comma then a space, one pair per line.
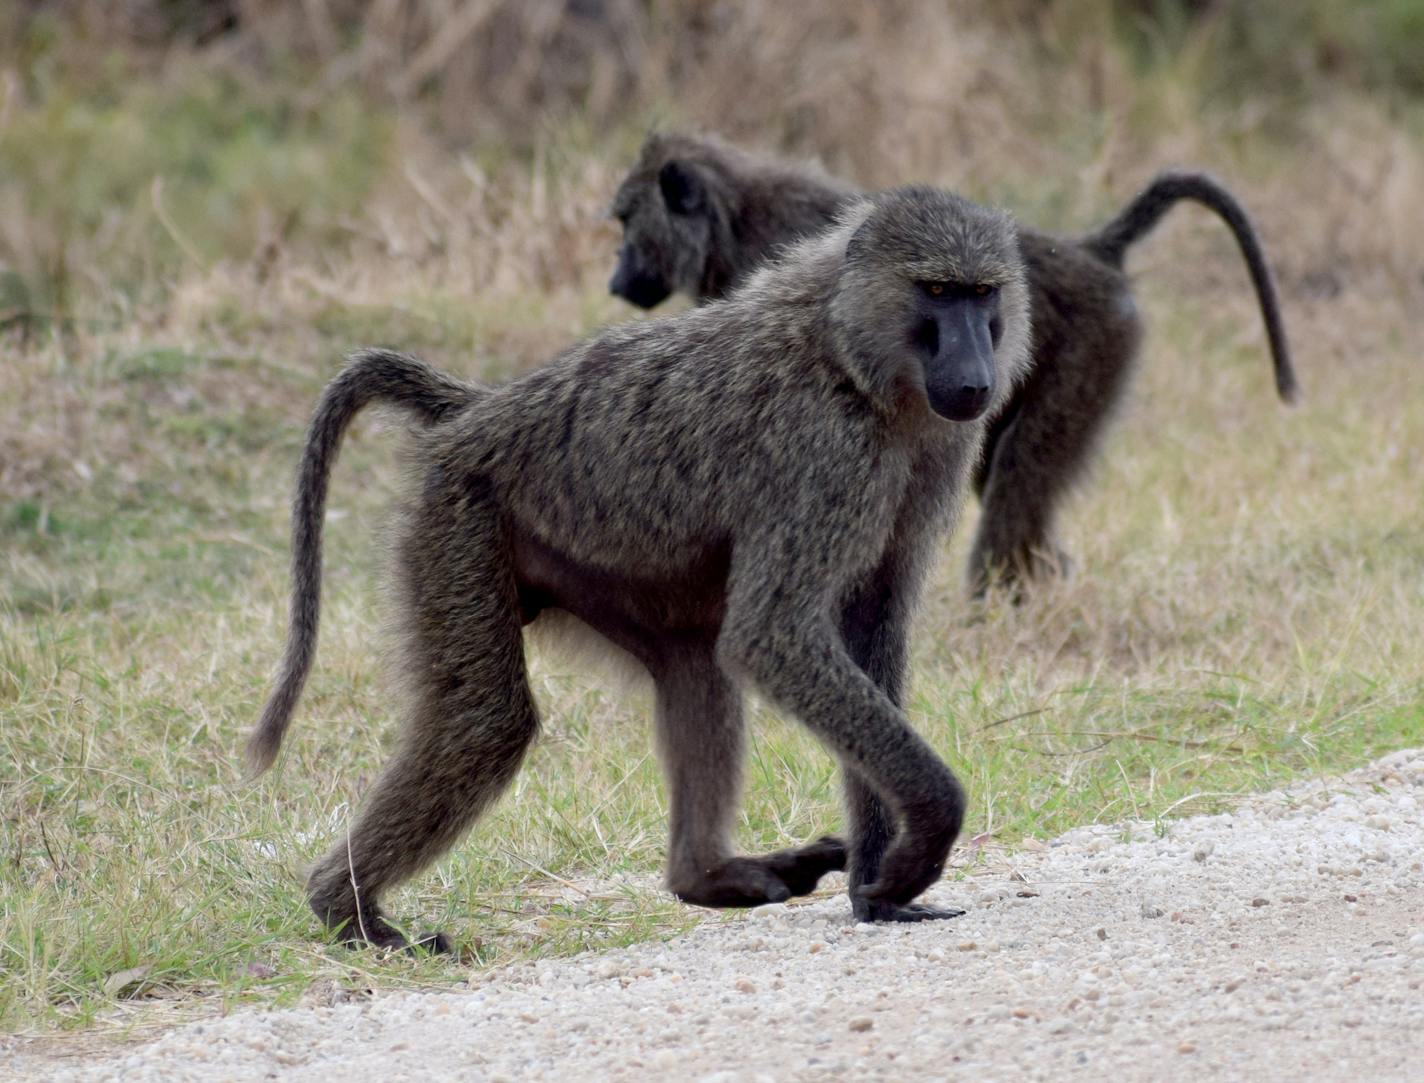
1250, 591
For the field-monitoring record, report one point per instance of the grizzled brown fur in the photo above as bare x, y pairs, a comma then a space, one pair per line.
744, 493
699, 214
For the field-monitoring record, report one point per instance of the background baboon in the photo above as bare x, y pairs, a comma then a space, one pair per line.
748, 491
699, 214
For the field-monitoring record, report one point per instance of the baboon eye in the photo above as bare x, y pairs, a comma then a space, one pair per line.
936, 289
982, 289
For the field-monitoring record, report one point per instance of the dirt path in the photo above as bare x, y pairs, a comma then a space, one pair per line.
1284, 941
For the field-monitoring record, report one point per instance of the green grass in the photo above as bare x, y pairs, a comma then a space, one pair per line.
1247, 611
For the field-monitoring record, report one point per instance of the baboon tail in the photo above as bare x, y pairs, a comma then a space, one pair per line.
369, 376
1139, 217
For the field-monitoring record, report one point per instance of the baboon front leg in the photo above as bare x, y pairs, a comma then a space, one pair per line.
700, 739
874, 626
800, 661
1032, 462
469, 720
1023, 488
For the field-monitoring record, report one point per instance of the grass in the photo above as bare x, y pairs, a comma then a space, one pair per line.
1247, 611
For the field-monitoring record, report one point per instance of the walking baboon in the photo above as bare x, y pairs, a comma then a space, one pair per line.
698, 215
747, 492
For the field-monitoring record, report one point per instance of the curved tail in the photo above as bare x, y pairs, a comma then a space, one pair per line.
1143, 213
369, 376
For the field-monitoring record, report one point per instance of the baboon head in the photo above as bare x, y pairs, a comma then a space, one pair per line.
670, 207
932, 296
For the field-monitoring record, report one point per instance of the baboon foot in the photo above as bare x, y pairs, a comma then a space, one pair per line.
367, 927
802, 867
866, 910
771, 878
431, 942
379, 933
1016, 575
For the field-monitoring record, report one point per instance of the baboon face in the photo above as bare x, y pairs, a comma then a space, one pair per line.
946, 282
666, 216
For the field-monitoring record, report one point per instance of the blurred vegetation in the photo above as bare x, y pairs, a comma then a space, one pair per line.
1291, 49
143, 134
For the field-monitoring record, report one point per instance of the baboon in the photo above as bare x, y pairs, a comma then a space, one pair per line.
699, 214
747, 492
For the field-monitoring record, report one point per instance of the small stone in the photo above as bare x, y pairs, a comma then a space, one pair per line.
1203, 851
861, 1023
745, 985
1352, 898
1021, 1013
967, 945
1151, 910
1258, 901
1102, 934
1186, 1047
816, 947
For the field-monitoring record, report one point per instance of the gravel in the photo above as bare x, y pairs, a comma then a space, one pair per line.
1283, 940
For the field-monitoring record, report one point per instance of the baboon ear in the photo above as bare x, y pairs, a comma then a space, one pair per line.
858, 240
681, 187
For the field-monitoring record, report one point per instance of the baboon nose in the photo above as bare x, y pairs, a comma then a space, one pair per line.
965, 403
972, 400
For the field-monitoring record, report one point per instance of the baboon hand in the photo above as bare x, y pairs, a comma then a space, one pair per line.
865, 910
914, 861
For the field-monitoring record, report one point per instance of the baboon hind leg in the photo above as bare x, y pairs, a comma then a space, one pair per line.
469, 720
700, 739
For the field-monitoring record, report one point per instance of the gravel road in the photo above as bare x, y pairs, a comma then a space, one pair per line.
1282, 941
